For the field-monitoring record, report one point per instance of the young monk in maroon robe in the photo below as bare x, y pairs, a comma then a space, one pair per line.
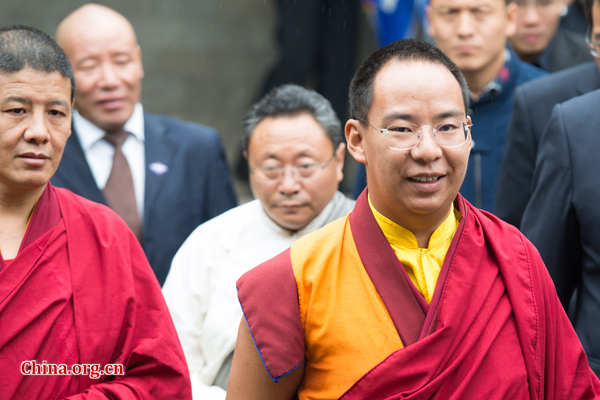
76, 292
416, 294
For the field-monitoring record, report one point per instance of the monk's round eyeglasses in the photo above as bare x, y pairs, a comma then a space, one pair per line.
404, 135
300, 171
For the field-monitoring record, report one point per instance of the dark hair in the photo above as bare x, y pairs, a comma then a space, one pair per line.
587, 11
23, 46
361, 88
291, 100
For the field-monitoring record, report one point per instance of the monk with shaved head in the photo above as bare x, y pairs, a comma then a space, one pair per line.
81, 312
163, 176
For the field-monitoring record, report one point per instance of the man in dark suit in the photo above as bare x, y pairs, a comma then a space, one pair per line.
562, 217
163, 176
533, 104
574, 20
541, 41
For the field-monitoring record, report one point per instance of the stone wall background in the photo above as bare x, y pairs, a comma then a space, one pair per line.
204, 60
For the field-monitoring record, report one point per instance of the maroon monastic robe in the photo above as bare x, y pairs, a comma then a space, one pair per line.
81, 291
495, 328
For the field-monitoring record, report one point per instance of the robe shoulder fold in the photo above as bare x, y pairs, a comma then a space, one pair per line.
269, 299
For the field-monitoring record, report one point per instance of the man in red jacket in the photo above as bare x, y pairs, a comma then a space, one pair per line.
81, 312
416, 294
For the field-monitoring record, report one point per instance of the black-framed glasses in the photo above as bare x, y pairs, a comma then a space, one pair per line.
450, 133
300, 171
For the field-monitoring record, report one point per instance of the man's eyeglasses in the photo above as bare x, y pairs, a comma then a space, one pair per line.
300, 171
405, 135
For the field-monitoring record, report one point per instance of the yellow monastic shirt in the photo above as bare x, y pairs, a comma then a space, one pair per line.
423, 265
347, 327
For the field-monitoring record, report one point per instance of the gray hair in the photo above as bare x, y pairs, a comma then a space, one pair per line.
291, 100
22, 46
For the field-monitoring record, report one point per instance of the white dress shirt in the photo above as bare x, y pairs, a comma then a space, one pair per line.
200, 288
99, 153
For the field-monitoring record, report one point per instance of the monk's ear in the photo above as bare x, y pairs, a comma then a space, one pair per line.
339, 156
354, 138
470, 136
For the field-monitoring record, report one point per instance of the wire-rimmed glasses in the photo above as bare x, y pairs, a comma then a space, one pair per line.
450, 133
300, 171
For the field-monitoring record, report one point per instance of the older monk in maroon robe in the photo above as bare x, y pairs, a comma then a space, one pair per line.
81, 313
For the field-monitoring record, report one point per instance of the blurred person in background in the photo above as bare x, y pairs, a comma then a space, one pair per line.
474, 33
162, 176
562, 217
294, 147
531, 112
541, 41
